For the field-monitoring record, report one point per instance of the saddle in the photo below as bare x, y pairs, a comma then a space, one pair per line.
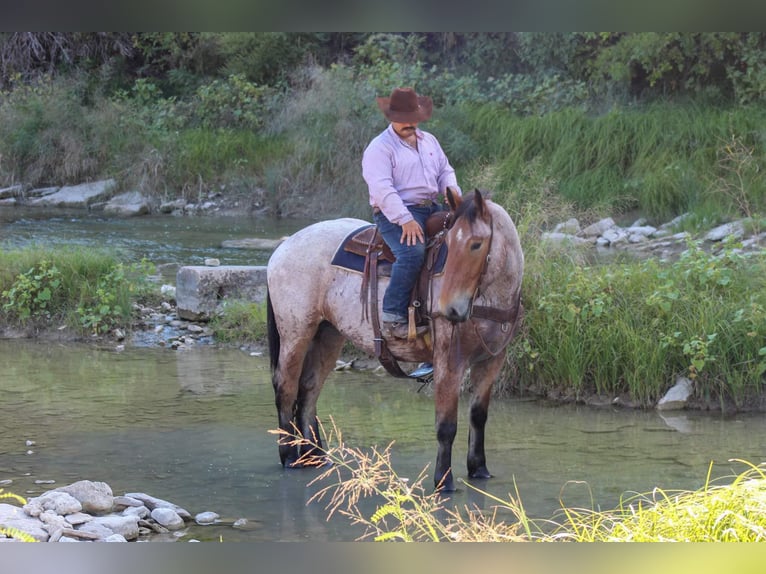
368, 243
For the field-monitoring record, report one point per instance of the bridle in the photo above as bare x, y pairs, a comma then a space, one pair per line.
496, 314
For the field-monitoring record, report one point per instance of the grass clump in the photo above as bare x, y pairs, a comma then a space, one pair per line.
89, 291
240, 322
733, 510
404, 511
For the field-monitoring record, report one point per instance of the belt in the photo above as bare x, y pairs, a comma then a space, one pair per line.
424, 203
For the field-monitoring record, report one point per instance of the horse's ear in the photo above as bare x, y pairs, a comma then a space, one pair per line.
453, 199
478, 201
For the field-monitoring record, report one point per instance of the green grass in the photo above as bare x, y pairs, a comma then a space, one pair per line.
633, 327
240, 322
662, 159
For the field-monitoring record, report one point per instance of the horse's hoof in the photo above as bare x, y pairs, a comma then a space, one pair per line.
480, 473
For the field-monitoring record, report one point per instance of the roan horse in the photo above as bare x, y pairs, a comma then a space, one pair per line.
313, 307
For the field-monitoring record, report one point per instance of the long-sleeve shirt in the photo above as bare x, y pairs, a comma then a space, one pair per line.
398, 175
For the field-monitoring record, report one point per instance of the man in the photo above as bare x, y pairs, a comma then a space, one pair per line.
405, 169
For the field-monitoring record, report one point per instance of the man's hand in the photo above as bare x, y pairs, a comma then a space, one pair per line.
412, 233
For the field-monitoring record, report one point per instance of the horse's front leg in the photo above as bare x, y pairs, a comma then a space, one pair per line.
446, 393
483, 376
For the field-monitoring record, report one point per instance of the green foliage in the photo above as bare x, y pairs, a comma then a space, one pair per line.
89, 291
103, 310
231, 103
633, 327
33, 293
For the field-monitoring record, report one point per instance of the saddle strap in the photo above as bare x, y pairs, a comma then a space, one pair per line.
381, 349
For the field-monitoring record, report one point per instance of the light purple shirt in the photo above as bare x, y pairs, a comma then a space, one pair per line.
399, 175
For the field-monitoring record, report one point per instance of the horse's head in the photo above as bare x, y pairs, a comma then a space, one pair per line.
468, 243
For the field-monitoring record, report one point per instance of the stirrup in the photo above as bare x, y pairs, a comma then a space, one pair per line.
424, 373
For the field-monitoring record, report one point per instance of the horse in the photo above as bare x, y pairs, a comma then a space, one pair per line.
474, 312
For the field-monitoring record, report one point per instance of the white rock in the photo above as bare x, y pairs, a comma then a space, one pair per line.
168, 518
677, 396
598, 228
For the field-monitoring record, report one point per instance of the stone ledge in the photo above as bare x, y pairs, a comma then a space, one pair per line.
200, 290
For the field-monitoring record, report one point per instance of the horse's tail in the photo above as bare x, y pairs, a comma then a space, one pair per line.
273, 333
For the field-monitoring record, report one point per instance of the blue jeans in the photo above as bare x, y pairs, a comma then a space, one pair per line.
409, 261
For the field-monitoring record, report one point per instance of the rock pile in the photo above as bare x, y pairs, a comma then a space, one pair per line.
87, 511
645, 238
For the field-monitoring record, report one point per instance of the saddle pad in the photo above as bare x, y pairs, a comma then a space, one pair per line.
354, 262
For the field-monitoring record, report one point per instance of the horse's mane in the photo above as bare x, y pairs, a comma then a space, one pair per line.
467, 208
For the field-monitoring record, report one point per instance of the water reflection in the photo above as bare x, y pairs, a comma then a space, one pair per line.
193, 426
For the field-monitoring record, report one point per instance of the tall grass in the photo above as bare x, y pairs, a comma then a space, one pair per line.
661, 159
634, 326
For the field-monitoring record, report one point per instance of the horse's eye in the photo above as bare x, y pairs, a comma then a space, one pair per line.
475, 246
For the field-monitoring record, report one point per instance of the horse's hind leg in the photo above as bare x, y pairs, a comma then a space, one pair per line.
286, 379
483, 376
319, 362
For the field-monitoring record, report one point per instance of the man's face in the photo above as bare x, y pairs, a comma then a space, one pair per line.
404, 129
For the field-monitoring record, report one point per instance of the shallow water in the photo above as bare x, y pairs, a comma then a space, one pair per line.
193, 427
162, 239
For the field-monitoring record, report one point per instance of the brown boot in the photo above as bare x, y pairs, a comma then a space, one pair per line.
400, 330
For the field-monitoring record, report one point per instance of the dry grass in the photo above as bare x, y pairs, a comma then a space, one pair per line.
734, 510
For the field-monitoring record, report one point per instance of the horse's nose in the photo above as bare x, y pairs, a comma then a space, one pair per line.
457, 312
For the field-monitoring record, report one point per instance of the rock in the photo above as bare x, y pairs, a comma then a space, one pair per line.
96, 497
677, 396
168, 518
735, 229
570, 227
127, 526
168, 291
78, 518
15, 517
645, 230
205, 518
76, 195
614, 236
115, 538
597, 229
128, 204
122, 502
91, 531
138, 511
564, 239
212, 262
152, 502
256, 243
200, 290
171, 206
61, 503
10, 192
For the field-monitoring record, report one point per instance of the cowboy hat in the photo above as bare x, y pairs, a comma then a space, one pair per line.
405, 106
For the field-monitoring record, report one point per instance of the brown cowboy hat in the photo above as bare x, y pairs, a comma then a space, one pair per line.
405, 106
